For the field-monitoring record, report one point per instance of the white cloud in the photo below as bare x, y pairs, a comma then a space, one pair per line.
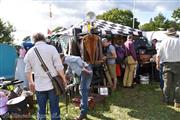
160, 9
99, 6
26, 16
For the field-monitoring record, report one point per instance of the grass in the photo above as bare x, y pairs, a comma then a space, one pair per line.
141, 103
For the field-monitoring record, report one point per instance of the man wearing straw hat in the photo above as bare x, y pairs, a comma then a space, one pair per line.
170, 55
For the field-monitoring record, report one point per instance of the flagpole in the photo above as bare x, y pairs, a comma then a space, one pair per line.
133, 12
50, 20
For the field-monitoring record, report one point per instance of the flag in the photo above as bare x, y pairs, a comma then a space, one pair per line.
49, 32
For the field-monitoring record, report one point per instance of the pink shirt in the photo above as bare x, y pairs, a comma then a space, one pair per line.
129, 47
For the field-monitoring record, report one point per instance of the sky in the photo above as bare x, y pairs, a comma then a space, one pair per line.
30, 16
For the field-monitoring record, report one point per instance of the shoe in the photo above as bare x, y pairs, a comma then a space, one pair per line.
81, 117
125, 87
170, 103
130, 87
177, 105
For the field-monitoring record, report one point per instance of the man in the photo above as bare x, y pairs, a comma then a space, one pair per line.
42, 84
110, 57
80, 68
169, 53
130, 67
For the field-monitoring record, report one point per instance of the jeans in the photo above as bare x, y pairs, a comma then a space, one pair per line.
84, 90
42, 97
161, 76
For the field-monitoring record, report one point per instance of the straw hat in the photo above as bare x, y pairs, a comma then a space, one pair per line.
171, 31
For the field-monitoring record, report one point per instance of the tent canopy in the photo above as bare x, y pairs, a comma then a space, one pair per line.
106, 27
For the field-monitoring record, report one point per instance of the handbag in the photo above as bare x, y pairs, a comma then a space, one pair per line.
57, 82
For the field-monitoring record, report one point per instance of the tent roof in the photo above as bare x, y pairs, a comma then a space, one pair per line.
106, 27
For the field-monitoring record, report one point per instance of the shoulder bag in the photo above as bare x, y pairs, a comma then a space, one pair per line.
57, 82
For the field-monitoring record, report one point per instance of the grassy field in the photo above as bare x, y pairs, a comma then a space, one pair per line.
141, 103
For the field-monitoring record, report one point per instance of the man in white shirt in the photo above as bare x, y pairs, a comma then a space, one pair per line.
42, 84
170, 55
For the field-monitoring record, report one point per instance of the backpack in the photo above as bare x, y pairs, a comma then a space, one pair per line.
120, 52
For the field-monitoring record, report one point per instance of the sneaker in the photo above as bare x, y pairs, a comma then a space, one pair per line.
177, 105
81, 117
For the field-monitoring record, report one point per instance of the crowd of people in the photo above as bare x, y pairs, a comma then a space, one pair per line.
167, 56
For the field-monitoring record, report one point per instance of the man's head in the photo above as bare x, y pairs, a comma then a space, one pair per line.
105, 42
130, 37
38, 37
154, 41
171, 32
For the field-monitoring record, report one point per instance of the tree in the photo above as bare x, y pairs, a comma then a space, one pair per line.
157, 22
5, 32
176, 15
124, 17
147, 27
161, 22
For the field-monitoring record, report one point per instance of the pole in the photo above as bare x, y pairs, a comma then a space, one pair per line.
50, 21
133, 12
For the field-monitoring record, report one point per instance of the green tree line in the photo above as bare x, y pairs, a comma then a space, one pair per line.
125, 17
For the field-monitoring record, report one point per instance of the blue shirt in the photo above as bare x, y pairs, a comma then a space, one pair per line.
110, 49
75, 64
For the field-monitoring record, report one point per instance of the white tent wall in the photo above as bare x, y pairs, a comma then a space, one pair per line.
159, 35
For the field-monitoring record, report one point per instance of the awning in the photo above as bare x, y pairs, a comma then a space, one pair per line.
107, 27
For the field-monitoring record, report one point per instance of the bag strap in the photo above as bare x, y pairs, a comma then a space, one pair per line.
43, 65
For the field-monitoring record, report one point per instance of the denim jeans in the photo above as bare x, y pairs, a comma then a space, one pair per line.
84, 90
161, 76
42, 98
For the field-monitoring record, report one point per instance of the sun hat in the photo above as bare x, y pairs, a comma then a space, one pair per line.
171, 31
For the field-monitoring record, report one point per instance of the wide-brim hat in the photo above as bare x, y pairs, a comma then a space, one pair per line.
171, 31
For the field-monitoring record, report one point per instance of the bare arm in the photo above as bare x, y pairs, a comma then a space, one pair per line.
113, 54
28, 71
157, 62
62, 75
31, 82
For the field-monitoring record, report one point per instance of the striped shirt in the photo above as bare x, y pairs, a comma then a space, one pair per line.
52, 60
169, 50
